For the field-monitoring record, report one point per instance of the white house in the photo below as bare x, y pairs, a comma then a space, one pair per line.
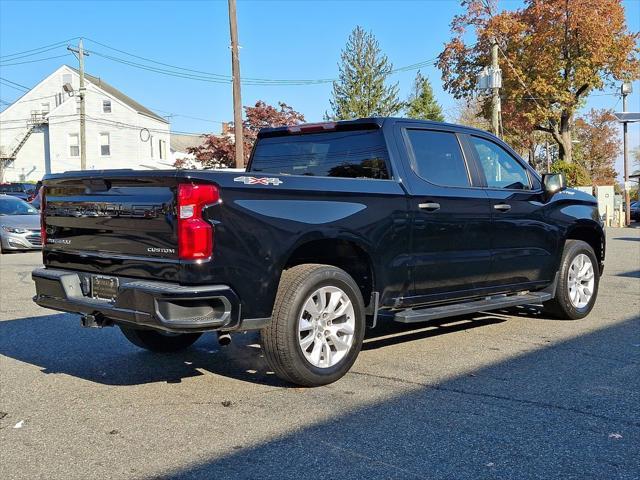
40, 132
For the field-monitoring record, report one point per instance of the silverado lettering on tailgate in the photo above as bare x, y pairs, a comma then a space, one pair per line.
107, 210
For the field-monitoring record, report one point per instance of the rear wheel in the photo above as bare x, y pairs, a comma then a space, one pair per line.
317, 326
163, 342
578, 281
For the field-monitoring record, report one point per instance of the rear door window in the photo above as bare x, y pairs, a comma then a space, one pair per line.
351, 154
437, 157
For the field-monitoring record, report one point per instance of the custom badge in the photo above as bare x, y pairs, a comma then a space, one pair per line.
258, 181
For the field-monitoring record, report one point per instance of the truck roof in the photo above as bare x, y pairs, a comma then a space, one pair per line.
359, 123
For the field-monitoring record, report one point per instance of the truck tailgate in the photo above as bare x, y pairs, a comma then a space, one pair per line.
117, 222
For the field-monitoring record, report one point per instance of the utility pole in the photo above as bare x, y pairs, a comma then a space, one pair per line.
495, 90
82, 93
237, 98
548, 157
625, 89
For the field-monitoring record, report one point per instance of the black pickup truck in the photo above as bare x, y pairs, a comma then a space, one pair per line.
332, 227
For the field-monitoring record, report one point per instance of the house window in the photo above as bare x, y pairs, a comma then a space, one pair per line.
151, 145
105, 147
66, 78
45, 108
162, 147
74, 145
106, 106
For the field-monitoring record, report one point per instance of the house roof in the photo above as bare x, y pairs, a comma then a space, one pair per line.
111, 90
180, 142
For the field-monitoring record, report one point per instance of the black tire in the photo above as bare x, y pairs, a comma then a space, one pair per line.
280, 338
561, 306
159, 341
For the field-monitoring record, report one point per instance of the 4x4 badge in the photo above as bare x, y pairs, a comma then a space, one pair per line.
258, 181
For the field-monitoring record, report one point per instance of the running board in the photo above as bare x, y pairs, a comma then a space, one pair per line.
490, 303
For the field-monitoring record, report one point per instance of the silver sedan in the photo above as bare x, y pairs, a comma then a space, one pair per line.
19, 225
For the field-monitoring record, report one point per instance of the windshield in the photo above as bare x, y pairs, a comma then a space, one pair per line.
15, 206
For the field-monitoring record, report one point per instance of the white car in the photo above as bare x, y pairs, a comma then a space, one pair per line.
19, 225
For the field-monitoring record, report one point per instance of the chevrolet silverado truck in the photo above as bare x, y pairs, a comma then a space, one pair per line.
333, 228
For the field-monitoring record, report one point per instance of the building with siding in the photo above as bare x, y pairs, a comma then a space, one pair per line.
40, 132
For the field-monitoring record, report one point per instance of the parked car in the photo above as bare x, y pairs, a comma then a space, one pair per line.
332, 226
23, 191
634, 211
19, 225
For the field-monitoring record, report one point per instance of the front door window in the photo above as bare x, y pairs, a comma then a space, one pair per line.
500, 169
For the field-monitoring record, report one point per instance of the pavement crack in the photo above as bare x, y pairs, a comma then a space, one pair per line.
493, 396
357, 454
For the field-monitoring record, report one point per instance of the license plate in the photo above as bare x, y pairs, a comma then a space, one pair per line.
105, 288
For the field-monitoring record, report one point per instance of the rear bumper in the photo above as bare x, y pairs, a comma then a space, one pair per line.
147, 304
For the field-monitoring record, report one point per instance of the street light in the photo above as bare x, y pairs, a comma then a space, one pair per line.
625, 89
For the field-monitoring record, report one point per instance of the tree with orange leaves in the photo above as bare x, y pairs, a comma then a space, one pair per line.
598, 145
553, 54
218, 150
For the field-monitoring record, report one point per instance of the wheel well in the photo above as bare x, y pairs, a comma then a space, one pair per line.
592, 237
342, 254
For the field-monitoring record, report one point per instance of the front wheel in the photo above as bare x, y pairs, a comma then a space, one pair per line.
578, 282
317, 326
159, 341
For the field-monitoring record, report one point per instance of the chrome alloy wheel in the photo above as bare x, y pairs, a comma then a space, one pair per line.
326, 327
581, 281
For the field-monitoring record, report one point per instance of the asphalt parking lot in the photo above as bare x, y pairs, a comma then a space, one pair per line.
507, 395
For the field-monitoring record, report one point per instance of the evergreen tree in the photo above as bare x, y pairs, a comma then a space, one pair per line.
421, 103
360, 90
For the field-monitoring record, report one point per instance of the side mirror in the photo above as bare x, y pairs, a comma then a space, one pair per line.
553, 183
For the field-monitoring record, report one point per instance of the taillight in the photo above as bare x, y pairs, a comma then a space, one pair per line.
195, 235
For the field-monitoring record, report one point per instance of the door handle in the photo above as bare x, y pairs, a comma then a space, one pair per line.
430, 206
502, 207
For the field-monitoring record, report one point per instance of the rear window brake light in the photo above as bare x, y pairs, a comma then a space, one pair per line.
312, 127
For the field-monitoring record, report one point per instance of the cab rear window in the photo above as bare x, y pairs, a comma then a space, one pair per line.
350, 154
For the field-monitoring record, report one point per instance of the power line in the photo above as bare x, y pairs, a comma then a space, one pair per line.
159, 63
28, 119
201, 73
179, 71
15, 83
109, 123
22, 90
32, 54
184, 115
193, 74
33, 61
38, 50
210, 78
32, 99
160, 70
